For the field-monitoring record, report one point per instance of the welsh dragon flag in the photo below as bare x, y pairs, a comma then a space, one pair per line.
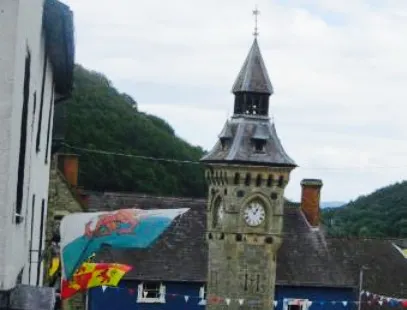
83, 233
93, 275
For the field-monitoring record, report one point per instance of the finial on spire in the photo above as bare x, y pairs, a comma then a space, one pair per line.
256, 13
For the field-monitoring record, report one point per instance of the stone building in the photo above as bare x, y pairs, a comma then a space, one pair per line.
36, 63
64, 198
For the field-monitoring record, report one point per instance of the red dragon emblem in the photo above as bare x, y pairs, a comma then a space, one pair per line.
122, 222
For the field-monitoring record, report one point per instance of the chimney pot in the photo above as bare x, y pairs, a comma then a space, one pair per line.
310, 200
68, 164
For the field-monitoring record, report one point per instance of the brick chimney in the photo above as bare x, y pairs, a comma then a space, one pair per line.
310, 200
68, 164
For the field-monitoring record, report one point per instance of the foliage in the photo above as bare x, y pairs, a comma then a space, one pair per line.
380, 214
101, 118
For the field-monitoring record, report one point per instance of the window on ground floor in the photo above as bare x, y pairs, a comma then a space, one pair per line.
295, 304
151, 292
202, 295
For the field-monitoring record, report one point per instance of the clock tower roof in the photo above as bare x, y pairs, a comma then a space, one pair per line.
249, 141
253, 76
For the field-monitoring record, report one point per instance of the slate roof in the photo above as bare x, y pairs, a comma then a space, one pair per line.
253, 76
306, 258
243, 131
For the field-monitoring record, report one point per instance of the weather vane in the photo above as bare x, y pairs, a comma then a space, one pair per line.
256, 13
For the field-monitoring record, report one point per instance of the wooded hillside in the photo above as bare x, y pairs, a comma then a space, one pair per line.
99, 117
380, 214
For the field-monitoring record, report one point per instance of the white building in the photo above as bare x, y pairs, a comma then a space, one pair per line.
36, 72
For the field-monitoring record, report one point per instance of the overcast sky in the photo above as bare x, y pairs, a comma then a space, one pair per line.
338, 68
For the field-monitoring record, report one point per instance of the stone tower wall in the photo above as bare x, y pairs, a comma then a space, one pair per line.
242, 259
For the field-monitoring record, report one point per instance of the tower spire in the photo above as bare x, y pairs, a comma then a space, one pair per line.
256, 13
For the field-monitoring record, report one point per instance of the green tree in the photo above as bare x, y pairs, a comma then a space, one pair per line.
383, 213
101, 118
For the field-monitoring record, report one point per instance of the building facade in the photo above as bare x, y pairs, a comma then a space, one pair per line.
310, 267
36, 61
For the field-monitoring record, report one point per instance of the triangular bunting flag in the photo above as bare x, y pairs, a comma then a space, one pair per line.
145, 294
275, 303
333, 302
227, 300
344, 303
367, 294
362, 292
321, 303
186, 297
380, 302
241, 301
104, 287
309, 302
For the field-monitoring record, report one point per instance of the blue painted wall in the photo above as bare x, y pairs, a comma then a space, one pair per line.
316, 295
122, 299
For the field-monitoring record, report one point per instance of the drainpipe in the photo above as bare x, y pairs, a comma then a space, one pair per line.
361, 286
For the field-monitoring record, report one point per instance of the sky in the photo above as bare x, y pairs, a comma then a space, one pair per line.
338, 69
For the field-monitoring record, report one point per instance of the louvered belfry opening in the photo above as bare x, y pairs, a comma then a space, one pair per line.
251, 103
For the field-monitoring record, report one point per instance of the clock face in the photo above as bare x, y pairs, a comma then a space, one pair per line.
254, 214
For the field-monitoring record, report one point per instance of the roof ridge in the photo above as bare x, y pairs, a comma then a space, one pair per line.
142, 195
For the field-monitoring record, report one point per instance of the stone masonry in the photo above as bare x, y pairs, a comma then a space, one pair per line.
63, 199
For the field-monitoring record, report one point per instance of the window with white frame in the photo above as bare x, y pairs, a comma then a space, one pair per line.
202, 295
151, 292
296, 304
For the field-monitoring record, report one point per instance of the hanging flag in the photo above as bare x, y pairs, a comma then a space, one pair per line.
83, 233
380, 302
241, 301
344, 303
227, 300
275, 303
309, 302
186, 297
93, 275
104, 287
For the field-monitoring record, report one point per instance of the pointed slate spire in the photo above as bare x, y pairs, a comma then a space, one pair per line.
253, 77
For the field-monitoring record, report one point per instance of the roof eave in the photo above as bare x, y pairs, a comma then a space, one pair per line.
58, 28
248, 163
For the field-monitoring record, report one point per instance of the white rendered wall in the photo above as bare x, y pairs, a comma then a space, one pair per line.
21, 30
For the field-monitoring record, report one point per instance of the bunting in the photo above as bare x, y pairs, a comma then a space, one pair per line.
346, 304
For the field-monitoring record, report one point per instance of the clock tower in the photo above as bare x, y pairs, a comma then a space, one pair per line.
247, 171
